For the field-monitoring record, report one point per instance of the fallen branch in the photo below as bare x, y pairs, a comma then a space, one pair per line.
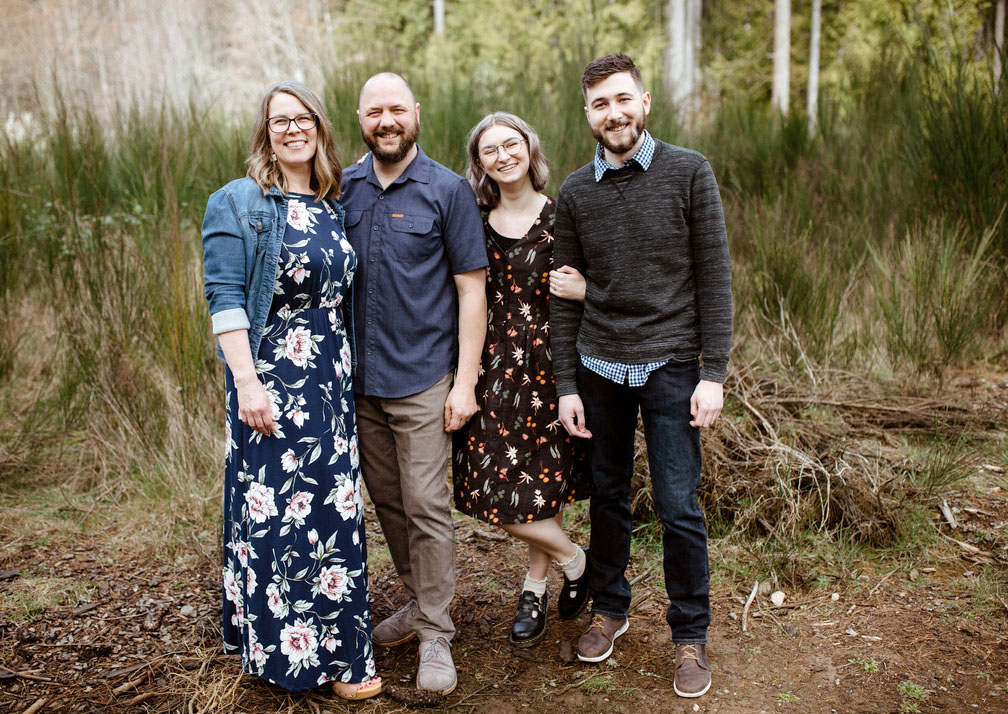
879, 583
947, 512
748, 602
37, 706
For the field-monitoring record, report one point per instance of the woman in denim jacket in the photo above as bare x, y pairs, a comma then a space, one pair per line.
277, 275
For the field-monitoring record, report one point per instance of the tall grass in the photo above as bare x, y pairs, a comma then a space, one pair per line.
100, 246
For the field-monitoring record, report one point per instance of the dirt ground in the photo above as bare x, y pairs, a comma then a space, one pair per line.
145, 637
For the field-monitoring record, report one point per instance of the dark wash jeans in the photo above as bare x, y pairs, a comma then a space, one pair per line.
674, 459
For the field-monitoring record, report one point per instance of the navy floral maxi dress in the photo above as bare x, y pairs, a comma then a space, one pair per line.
513, 462
295, 562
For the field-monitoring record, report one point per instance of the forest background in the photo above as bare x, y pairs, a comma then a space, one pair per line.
869, 243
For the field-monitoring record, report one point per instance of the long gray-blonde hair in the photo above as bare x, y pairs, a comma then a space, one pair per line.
327, 175
486, 189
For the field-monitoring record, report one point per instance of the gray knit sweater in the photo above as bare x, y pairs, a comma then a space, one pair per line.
653, 249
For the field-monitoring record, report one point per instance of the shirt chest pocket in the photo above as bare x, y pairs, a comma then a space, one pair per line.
412, 237
260, 224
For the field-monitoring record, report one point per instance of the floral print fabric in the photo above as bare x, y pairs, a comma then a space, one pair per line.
295, 564
514, 462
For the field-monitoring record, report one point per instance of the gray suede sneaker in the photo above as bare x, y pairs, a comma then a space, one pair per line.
397, 628
437, 670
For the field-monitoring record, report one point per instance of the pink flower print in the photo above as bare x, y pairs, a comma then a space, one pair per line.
354, 456
297, 416
333, 582
250, 581
330, 643
334, 321
256, 652
243, 551
297, 215
275, 602
340, 444
345, 356
313, 536
297, 271
297, 346
232, 590
299, 642
337, 366
238, 618
289, 461
298, 507
346, 501
260, 502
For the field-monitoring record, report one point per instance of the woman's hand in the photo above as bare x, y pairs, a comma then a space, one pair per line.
567, 283
255, 407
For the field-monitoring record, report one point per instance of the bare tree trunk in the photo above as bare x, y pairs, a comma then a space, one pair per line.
999, 23
438, 17
682, 54
782, 55
813, 66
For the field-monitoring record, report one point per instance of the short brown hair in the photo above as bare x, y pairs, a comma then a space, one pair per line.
486, 189
605, 67
327, 175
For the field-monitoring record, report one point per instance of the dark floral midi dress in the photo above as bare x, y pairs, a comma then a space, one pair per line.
514, 462
295, 564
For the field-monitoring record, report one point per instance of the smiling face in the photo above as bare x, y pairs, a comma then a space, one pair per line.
617, 112
503, 167
389, 118
294, 147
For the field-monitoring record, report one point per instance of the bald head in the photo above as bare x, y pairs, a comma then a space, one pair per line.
385, 82
389, 118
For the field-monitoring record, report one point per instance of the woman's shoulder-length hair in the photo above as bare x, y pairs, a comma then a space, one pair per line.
486, 189
327, 175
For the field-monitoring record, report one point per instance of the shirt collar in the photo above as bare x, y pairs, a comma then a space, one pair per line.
418, 170
643, 157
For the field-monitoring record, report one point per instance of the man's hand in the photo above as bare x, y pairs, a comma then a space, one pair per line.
459, 407
572, 416
706, 403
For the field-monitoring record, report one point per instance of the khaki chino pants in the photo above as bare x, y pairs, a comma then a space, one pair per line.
404, 454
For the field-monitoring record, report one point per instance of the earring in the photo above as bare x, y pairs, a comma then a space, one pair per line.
273, 156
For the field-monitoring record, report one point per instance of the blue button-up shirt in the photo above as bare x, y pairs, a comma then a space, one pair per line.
634, 375
411, 238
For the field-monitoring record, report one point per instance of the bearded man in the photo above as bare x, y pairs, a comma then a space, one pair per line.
419, 322
643, 223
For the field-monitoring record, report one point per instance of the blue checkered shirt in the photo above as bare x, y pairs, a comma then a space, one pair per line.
633, 374
643, 157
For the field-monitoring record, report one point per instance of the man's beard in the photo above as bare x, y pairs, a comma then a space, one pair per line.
407, 138
628, 140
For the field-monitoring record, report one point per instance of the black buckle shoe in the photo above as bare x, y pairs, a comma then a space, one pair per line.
574, 595
530, 622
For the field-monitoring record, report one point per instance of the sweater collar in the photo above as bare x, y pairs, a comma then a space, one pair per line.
643, 157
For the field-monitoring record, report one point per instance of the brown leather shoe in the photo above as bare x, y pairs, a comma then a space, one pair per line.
596, 643
692, 671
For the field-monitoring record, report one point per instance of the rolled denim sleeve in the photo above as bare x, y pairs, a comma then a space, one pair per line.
224, 273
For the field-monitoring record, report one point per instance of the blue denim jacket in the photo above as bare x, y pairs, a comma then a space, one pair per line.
242, 234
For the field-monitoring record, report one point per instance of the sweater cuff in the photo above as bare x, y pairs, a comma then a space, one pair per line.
565, 386
714, 371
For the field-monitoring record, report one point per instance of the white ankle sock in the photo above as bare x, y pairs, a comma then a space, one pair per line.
574, 568
538, 587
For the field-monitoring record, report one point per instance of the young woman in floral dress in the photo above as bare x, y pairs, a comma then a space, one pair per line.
277, 270
514, 466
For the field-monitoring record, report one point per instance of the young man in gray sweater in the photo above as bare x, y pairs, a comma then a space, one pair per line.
643, 223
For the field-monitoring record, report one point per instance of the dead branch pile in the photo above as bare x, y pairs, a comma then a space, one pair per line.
786, 458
